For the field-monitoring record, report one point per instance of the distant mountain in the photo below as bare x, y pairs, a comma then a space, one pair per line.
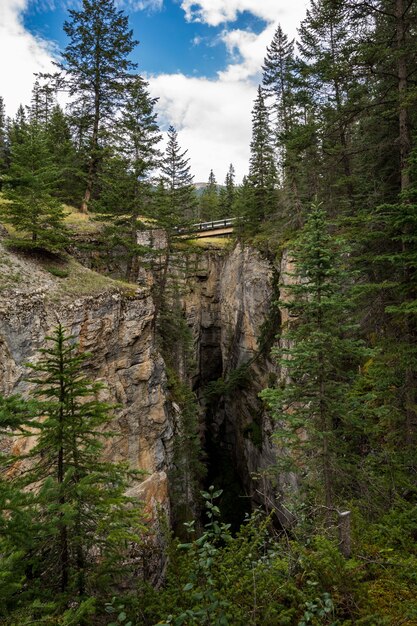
201, 186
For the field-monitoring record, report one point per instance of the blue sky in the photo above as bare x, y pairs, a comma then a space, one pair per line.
202, 59
168, 42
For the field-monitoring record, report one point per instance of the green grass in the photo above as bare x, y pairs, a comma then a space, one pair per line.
208, 243
80, 281
83, 223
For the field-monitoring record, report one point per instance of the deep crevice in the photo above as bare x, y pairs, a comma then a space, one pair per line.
220, 436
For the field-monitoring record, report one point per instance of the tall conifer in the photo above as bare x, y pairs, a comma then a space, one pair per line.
96, 65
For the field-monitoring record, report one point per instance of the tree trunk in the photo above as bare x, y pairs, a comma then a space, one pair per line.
344, 534
405, 150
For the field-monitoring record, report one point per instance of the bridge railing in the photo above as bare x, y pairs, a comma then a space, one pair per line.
213, 225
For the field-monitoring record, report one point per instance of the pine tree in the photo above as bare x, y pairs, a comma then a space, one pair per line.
96, 66
82, 523
209, 199
32, 180
42, 102
227, 194
177, 174
128, 179
282, 86
3, 140
262, 169
329, 47
318, 357
63, 152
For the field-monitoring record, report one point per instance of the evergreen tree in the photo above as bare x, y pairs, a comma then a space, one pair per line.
32, 180
318, 357
227, 194
328, 46
3, 140
180, 187
81, 527
282, 85
63, 152
128, 179
262, 169
42, 102
96, 66
209, 199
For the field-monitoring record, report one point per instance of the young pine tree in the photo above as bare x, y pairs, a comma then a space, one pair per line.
32, 183
82, 523
319, 358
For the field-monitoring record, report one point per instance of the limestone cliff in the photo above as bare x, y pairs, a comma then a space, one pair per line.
226, 298
112, 322
227, 302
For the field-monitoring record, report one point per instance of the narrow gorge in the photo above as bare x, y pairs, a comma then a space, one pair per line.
225, 297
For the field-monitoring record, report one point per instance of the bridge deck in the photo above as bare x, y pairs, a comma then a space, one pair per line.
217, 232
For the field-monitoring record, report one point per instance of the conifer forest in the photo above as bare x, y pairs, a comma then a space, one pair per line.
214, 430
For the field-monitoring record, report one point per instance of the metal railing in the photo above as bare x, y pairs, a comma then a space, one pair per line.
214, 225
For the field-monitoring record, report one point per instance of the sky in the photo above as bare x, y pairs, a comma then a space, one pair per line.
202, 59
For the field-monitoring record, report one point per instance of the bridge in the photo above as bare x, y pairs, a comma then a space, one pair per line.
216, 228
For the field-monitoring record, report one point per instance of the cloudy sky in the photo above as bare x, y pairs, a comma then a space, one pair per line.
202, 59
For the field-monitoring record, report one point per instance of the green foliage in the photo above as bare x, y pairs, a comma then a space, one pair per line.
96, 67
237, 379
68, 518
32, 180
209, 200
181, 198
58, 271
312, 408
262, 170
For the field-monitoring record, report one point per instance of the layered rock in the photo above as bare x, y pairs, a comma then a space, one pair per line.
111, 321
228, 302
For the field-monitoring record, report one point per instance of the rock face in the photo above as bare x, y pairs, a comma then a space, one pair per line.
227, 303
114, 326
226, 298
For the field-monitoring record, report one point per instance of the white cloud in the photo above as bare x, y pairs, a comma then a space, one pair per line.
22, 55
215, 12
212, 118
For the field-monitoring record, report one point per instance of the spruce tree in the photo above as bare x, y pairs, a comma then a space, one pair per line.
128, 178
82, 523
63, 152
3, 141
262, 168
32, 181
42, 102
282, 87
96, 66
227, 194
318, 356
209, 199
179, 180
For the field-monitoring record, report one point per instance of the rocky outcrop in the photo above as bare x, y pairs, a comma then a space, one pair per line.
111, 321
226, 298
228, 302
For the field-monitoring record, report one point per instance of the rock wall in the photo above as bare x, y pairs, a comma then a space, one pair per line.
227, 300
114, 326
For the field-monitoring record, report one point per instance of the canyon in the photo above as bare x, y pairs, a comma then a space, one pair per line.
227, 297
